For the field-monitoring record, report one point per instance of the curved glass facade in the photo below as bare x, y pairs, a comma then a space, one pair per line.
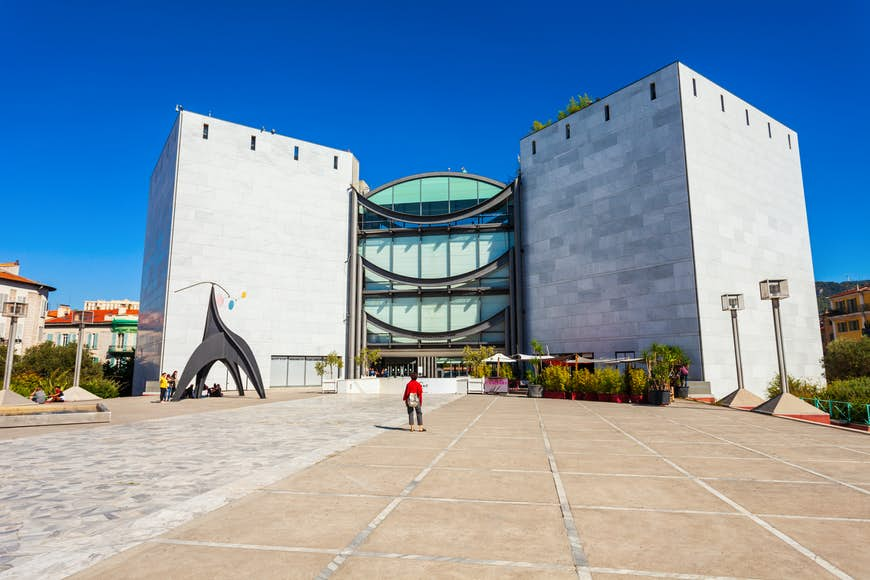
427, 252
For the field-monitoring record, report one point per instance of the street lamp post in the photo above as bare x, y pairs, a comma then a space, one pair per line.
80, 317
776, 290
13, 311
733, 303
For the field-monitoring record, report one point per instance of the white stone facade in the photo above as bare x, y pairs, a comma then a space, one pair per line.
636, 223
270, 222
29, 330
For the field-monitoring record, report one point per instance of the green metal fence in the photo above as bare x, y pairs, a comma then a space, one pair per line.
841, 411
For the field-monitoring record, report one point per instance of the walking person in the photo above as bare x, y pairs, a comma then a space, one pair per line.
172, 379
413, 399
684, 375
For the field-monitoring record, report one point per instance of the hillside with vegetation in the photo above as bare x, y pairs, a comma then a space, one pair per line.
825, 290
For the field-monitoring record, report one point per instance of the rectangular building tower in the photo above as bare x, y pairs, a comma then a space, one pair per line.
641, 210
266, 217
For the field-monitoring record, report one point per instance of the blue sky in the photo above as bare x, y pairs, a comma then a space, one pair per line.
88, 90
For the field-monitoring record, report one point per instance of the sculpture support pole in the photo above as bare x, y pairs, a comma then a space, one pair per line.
10, 353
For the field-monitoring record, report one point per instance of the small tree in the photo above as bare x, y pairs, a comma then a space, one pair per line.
473, 359
662, 362
332, 361
50, 362
367, 358
555, 377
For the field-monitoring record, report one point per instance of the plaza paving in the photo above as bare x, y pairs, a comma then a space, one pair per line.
497, 488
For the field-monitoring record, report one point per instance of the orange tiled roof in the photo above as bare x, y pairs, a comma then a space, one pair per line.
847, 292
100, 316
14, 278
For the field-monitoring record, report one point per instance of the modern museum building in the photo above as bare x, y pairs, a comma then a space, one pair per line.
627, 222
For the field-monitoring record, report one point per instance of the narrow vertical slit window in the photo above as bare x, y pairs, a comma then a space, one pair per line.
722, 102
253, 142
205, 130
652, 91
789, 140
747, 117
694, 87
534, 147
606, 112
335, 161
296, 153
567, 130
769, 132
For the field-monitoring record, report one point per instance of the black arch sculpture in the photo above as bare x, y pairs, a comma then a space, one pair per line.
219, 344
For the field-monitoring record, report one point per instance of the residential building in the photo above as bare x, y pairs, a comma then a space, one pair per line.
16, 288
108, 334
849, 316
125, 304
629, 219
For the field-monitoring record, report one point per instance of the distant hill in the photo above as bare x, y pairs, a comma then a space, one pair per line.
826, 289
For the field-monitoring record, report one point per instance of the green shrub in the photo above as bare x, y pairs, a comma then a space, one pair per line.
25, 383
103, 388
636, 379
855, 391
797, 387
610, 379
583, 381
847, 358
555, 378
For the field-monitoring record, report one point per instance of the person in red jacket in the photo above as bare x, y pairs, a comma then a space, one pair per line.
413, 398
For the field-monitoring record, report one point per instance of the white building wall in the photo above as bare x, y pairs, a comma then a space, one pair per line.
262, 223
749, 223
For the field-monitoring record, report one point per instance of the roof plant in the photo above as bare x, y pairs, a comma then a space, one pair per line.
574, 105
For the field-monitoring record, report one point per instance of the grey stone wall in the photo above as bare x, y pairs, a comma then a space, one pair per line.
606, 238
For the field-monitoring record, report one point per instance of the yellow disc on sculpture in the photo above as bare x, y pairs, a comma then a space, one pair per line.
244, 294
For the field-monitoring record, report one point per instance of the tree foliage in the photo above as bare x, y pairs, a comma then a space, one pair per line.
473, 359
49, 360
330, 362
575, 104
846, 359
367, 358
662, 361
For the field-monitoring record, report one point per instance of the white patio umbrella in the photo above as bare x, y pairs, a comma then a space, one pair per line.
533, 357
498, 358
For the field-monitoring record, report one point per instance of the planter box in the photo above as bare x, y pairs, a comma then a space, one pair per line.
681, 392
535, 391
637, 398
658, 397
554, 394
618, 398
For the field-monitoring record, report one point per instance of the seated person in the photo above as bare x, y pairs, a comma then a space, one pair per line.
56, 396
38, 395
215, 391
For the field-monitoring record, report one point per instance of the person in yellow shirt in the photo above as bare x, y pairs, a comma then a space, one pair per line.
164, 387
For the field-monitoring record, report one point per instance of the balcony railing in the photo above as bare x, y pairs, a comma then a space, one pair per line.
120, 349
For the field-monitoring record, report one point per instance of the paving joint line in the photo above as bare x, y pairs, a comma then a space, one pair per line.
362, 536
578, 554
775, 458
794, 544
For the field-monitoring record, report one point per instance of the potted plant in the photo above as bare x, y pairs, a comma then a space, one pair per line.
555, 378
590, 385
330, 362
611, 385
680, 391
636, 384
366, 359
660, 361
533, 375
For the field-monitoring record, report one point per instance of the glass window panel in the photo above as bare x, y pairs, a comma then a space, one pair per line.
406, 197
464, 311
433, 256
379, 308
433, 314
463, 189
491, 305
377, 251
405, 313
463, 253
434, 189
492, 245
486, 191
312, 379
278, 372
383, 198
296, 372
406, 255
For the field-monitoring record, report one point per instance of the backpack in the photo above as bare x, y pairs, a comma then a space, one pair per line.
413, 400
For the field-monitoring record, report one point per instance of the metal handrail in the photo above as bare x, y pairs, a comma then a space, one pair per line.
842, 411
